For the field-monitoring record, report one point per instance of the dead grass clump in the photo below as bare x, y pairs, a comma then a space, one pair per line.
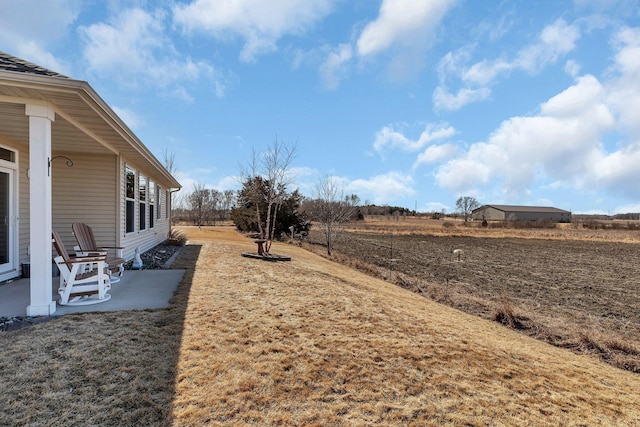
623, 346
618, 352
505, 314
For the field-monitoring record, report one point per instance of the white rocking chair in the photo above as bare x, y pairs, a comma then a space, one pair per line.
87, 247
83, 280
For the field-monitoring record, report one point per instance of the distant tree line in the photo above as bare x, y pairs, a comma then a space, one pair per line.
630, 216
385, 210
204, 206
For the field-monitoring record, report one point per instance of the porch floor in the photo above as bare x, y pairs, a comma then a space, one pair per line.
137, 290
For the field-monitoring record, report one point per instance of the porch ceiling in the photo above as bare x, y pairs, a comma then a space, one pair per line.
84, 123
66, 138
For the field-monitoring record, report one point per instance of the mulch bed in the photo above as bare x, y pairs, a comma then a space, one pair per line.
156, 258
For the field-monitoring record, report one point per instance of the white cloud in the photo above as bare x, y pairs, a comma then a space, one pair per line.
302, 178
181, 93
554, 41
335, 66
485, 71
633, 207
135, 49
572, 68
624, 88
259, 23
562, 143
619, 171
383, 189
402, 22
232, 183
129, 117
463, 174
444, 100
28, 34
435, 207
404, 31
389, 137
572, 101
435, 153
190, 179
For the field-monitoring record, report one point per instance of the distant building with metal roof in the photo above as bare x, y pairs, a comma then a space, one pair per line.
520, 213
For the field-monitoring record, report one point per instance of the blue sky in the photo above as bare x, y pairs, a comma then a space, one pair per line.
407, 102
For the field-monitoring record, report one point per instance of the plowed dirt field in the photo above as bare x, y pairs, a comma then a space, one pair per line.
577, 294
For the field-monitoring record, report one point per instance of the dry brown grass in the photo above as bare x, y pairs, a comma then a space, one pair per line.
95, 369
555, 289
307, 342
450, 227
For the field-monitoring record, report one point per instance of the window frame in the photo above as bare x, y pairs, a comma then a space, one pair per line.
130, 202
159, 202
151, 202
143, 187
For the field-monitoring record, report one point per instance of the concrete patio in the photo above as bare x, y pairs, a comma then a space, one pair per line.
137, 290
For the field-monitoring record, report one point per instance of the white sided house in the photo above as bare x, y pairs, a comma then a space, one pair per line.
519, 213
65, 157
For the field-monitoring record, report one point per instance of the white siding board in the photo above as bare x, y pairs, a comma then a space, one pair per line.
85, 192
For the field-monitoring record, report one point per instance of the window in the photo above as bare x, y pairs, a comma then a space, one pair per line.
8, 155
152, 203
159, 202
142, 198
130, 196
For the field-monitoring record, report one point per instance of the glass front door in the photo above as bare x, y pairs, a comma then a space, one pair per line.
7, 219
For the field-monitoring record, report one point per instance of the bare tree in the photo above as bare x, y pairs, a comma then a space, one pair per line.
332, 208
466, 205
272, 170
198, 204
228, 202
250, 173
276, 164
169, 161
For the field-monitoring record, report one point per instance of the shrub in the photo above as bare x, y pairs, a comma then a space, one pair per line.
177, 238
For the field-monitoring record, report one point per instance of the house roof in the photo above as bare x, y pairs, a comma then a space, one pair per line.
11, 63
515, 208
84, 122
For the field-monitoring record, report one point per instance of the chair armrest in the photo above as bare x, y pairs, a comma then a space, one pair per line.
86, 260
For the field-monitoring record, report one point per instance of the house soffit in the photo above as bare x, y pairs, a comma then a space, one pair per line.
83, 122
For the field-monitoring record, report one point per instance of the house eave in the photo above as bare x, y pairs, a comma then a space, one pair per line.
65, 95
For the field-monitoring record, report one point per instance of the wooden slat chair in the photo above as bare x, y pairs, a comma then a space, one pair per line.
87, 246
83, 280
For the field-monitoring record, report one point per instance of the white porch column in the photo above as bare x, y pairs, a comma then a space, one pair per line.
40, 118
